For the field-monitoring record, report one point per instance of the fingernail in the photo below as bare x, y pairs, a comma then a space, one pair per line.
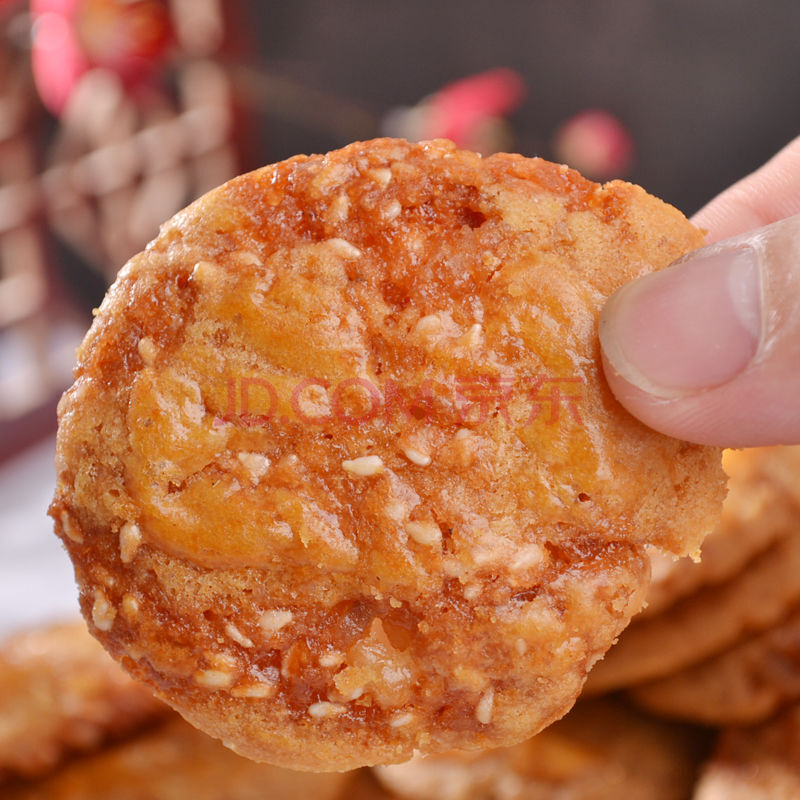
692, 326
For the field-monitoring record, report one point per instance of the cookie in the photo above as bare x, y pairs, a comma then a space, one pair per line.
741, 686
761, 763
600, 750
60, 693
340, 474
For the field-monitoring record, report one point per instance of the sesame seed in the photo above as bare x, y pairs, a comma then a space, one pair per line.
259, 690
130, 606
472, 591
416, 457
339, 208
213, 678
529, 556
147, 350
323, 709
234, 633
130, 537
364, 466
396, 510
134, 651
274, 620
71, 531
256, 464
392, 211
344, 248
427, 533
205, 271
381, 175
429, 325
103, 612
222, 661
483, 711
474, 335
331, 660
399, 720
247, 258
329, 177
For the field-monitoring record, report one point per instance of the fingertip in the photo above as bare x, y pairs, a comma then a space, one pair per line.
708, 349
669, 416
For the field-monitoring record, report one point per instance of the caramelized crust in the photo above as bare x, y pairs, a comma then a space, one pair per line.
339, 472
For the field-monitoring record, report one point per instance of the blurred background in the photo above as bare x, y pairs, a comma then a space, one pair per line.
114, 114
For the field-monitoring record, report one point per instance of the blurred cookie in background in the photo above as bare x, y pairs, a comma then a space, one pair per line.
743, 685
600, 750
61, 693
756, 513
761, 512
761, 763
175, 761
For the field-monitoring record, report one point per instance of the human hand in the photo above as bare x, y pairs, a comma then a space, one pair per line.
708, 350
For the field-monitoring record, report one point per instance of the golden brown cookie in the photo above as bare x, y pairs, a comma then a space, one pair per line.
340, 474
60, 693
712, 619
600, 751
755, 514
178, 762
741, 686
761, 763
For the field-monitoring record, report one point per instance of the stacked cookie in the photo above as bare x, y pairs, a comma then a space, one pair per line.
719, 643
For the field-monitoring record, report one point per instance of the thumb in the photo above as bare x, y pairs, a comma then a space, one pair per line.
708, 350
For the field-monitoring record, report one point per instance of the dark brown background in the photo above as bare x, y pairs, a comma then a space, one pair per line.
709, 88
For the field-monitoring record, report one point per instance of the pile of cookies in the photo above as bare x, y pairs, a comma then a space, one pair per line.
700, 698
